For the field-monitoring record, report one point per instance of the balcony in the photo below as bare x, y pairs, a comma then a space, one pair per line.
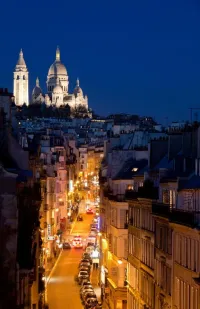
178, 216
116, 198
131, 195
161, 209
183, 217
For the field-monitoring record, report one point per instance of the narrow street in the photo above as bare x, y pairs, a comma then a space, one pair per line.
62, 290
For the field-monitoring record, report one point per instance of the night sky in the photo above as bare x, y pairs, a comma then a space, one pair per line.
140, 57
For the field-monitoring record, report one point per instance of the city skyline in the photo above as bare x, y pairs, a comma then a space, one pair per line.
132, 59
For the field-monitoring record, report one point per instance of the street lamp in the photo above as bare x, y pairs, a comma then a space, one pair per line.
119, 262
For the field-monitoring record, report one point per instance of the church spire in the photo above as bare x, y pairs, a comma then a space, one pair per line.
77, 82
21, 61
37, 82
57, 54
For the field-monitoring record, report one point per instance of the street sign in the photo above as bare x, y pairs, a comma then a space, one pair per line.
50, 237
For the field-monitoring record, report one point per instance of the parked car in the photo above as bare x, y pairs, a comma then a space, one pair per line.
89, 294
90, 303
85, 282
86, 287
85, 260
85, 264
86, 256
85, 268
66, 245
85, 292
82, 275
94, 225
80, 218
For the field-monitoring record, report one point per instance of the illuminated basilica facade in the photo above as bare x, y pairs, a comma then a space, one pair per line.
57, 86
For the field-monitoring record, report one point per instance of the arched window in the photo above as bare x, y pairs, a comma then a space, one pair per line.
24, 77
17, 76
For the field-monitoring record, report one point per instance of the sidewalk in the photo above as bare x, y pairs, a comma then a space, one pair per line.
95, 282
97, 288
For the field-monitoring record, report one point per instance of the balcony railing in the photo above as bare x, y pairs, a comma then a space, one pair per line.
160, 209
187, 218
131, 195
179, 216
117, 197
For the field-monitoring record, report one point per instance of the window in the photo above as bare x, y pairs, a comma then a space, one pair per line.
163, 238
163, 276
129, 187
172, 198
133, 277
165, 196
186, 295
187, 252
147, 253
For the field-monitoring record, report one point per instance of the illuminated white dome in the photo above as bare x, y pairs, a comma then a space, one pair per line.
77, 90
36, 90
57, 70
57, 89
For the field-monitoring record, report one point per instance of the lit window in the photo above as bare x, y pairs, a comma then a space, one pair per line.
130, 187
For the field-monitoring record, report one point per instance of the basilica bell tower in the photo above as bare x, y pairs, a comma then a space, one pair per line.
20, 82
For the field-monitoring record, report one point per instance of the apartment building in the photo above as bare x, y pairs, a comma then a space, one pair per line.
163, 237
114, 253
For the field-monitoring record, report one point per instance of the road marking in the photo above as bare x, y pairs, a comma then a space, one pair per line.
54, 267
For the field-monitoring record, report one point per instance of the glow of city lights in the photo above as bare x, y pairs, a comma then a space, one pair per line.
99, 234
60, 199
57, 209
43, 278
119, 262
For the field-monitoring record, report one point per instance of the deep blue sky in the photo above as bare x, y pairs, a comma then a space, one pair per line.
139, 57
